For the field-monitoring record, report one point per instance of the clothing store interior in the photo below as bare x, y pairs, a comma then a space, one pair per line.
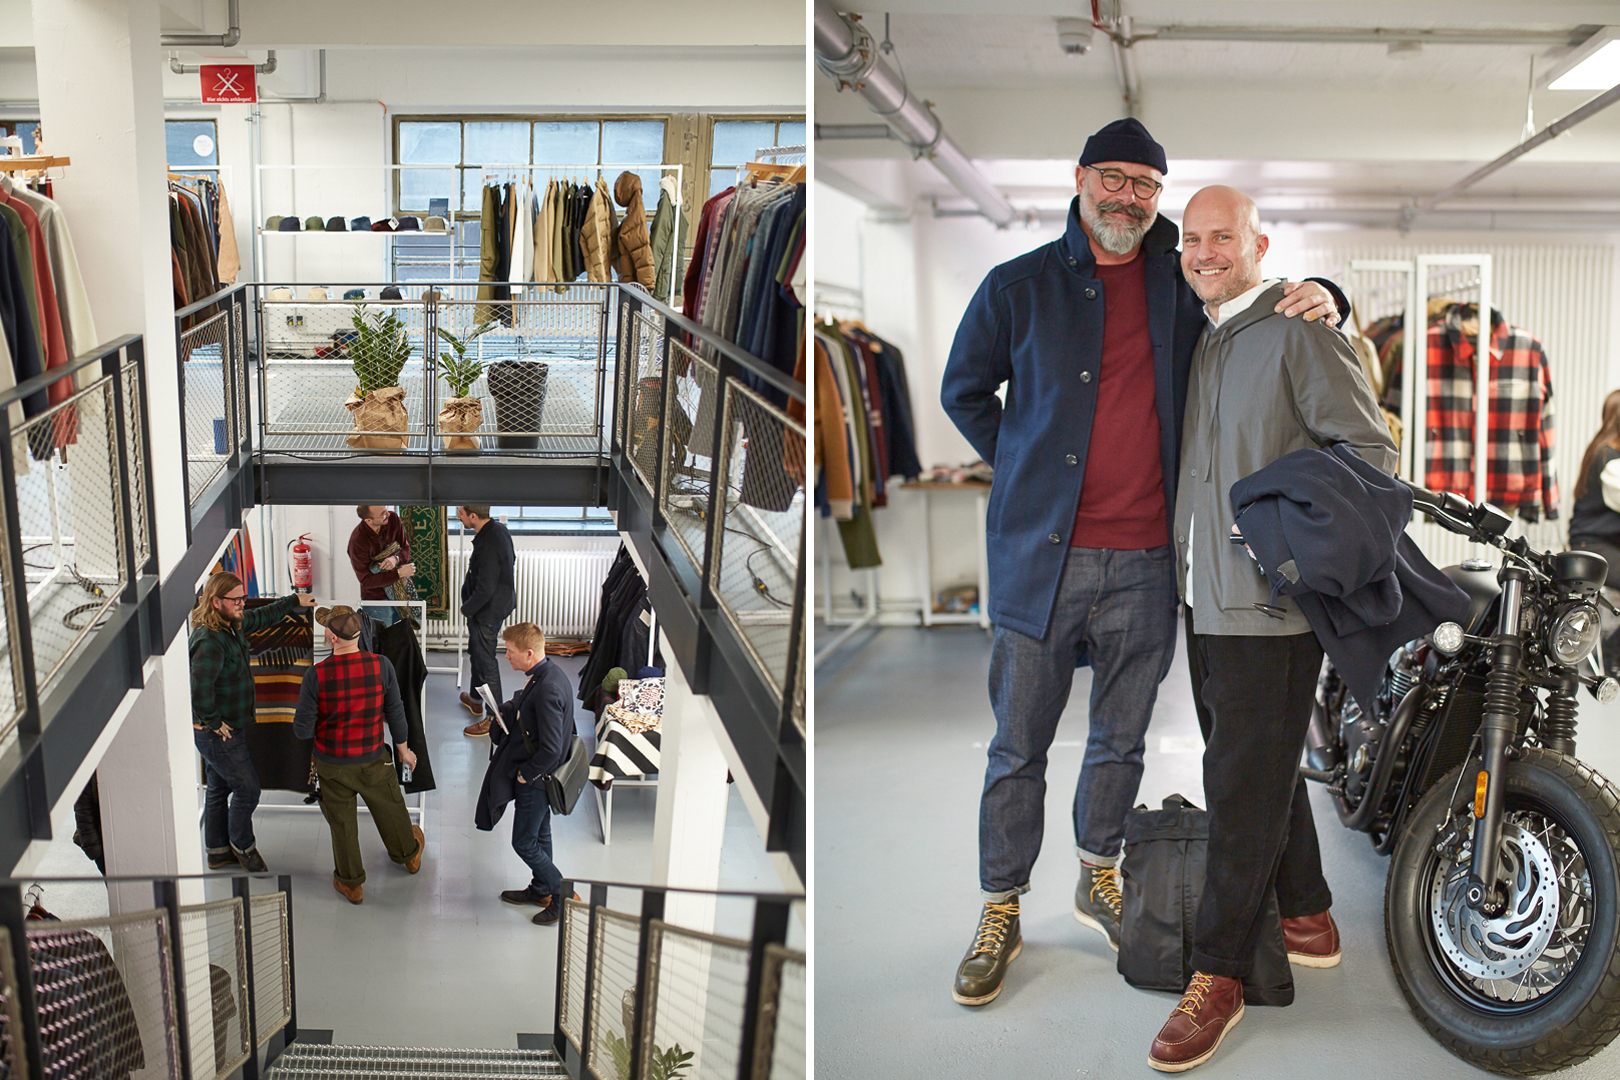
320, 276
1429, 159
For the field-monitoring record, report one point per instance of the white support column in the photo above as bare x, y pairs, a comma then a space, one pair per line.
101, 104
690, 826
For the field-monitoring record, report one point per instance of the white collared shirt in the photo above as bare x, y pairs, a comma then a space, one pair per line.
1240, 303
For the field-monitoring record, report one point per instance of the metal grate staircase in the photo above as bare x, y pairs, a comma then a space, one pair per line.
302, 1061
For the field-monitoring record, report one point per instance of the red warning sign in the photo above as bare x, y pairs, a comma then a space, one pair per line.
229, 83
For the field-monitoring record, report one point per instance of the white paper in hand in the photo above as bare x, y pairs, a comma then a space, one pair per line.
494, 706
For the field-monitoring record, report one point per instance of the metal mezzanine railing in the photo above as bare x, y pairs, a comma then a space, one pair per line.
641, 996
185, 991
211, 343
77, 523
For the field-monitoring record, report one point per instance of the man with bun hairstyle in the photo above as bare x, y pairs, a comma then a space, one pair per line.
343, 705
1090, 337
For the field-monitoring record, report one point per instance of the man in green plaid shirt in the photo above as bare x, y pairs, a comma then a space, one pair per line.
221, 709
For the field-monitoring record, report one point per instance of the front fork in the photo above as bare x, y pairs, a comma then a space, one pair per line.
1497, 728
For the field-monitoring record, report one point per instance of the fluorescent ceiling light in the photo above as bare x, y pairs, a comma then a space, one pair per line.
1593, 65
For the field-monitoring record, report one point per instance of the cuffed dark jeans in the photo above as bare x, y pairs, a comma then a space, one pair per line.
482, 659
233, 791
1121, 606
1254, 697
531, 838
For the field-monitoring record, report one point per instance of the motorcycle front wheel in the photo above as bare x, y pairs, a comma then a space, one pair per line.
1537, 987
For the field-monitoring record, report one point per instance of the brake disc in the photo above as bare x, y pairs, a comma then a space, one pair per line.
1504, 945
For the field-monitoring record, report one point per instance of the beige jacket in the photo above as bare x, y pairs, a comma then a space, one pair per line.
634, 262
596, 238
544, 226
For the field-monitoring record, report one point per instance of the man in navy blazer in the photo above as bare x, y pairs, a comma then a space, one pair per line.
1092, 337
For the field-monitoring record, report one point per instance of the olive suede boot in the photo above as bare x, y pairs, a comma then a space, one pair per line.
1097, 901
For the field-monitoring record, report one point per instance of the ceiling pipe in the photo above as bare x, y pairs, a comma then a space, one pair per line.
318, 99
227, 40
846, 53
1547, 134
1130, 87
853, 131
266, 68
1349, 35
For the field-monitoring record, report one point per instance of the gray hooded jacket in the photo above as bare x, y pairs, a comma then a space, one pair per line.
1262, 386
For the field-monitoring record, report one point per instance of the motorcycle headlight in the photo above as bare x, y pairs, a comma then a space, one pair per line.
1447, 637
1574, 635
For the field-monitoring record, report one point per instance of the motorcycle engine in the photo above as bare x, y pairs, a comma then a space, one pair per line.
1360, 734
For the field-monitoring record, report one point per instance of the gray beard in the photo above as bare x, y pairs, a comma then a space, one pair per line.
1112, 238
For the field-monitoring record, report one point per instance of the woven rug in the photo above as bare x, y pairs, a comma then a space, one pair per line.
430, 550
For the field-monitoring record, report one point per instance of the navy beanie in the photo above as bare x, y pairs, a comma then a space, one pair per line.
1125, 140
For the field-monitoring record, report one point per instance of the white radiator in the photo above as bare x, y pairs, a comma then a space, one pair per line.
560, 591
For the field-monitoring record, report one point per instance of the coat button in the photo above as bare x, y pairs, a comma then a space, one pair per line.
1193, 472
1072, 460
1074, 262
1181, 539
1085, 376
1055, 539
1091, 294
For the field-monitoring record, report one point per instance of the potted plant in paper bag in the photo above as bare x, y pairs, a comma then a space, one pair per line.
380, 349
461, 412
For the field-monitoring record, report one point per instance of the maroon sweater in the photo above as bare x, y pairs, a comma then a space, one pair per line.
1122, 495
363, 547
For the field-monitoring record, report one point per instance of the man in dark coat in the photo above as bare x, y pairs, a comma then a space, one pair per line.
534, 742
488, 596
1091, 336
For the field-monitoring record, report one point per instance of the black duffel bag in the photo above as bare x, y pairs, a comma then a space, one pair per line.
1162, 878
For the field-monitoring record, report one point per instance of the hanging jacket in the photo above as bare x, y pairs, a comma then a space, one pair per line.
634, 260
664, 255
545, 224
596, 235
488, 254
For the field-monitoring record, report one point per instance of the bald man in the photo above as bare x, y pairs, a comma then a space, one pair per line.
1261, 386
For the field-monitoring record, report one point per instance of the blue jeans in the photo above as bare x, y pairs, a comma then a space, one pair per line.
232, 779
531, 837
1120, 607
481, 657
388, 616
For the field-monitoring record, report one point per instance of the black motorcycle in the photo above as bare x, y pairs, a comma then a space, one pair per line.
1502, 906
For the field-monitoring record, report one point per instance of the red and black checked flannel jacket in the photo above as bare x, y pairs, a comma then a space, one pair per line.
1520, 475
342, 705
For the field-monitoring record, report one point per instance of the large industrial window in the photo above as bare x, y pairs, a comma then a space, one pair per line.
737, 142
192, 145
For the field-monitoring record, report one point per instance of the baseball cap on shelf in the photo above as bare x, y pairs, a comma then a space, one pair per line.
273, 224
288, 224
360, 224
336, 224
385, 225
409, 223
317, 292
341, 619
436, 225
355, 294
281, 294
392, 293
315, 223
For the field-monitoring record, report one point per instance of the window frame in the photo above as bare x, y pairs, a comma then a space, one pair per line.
707, 164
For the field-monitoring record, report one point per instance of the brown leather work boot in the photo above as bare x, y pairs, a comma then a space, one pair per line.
414, 863
1313, 940
997, 944
475, 730
474, 705
353, 895
1212, 1006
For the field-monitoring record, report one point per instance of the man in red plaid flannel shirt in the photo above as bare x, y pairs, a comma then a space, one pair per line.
1520, 476
342, 705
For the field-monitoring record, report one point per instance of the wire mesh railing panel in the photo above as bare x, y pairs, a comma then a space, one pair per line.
698, 986
12, 1055
575, 940
754, 568
345, 376
689, 415
12, 696
644, 412
783, 1021
624, 331
103, 989
521, 375
213, 960
209, 418
135, 453
618, 940
238, 362
796, 709
272, 961
69, 509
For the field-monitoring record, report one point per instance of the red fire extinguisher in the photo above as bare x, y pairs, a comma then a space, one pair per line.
300, 566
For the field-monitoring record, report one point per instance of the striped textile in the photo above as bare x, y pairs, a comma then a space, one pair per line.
621, 753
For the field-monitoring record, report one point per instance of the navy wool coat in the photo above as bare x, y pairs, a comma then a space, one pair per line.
1036, 325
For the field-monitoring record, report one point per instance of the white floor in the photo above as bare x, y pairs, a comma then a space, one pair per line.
436, 959
902, 720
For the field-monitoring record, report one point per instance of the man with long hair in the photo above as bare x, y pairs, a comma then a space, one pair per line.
221, 709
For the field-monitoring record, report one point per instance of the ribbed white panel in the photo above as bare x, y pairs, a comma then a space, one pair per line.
559, 591
1561, 293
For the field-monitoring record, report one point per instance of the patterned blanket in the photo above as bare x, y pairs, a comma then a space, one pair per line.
279, 655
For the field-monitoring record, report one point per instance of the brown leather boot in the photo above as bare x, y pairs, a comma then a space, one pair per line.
474, 705
475, 730
353, 894
1212, 1006
1313, 940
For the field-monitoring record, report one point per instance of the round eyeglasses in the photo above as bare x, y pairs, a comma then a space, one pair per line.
1114, 180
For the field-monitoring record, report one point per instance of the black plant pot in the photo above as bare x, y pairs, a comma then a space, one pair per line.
519, 390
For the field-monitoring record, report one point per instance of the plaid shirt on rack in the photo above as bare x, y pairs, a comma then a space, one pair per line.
343, 703
1520, 475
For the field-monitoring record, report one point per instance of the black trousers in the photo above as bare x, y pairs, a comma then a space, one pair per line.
1254, 697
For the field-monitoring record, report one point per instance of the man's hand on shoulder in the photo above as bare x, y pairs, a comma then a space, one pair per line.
1310, 299
305, 599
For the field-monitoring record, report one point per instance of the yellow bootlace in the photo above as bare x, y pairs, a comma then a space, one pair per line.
1201, 984
993, 926
1105, 880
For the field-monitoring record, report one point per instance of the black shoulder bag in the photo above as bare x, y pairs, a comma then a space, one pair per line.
564, 784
